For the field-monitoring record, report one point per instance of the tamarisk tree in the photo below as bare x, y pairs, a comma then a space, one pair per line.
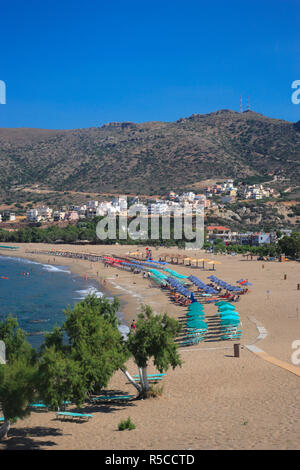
83, 354
18, 375
154, 339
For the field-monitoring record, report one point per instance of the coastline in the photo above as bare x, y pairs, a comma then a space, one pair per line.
87, 270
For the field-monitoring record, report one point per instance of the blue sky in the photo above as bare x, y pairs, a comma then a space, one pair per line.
74, 64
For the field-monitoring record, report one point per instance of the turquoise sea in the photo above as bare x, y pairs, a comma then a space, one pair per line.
38, 293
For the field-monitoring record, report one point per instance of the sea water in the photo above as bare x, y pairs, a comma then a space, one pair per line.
37, 294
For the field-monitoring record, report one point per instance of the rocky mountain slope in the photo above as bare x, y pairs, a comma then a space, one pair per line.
151, 157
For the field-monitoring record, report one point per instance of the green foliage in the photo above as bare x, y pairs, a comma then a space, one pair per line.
155, 391
290, 245
17, 388
82, 354
18, 377
154, 338
15, 341
59, 379
126, 424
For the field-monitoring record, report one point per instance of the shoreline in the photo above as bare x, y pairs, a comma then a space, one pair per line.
80, 268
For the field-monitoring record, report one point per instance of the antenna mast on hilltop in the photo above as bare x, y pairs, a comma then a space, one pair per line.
241, 104
248, 106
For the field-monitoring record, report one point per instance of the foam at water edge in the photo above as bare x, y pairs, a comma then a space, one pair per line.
51, 268
46, 267
90, 290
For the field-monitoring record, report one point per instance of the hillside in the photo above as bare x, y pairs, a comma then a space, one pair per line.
151, 157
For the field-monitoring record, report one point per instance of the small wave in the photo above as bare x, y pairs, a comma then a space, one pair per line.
46, 267
90, 290
55, 269
38, 321
36, 333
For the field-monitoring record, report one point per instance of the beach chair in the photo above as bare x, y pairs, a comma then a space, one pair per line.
191, 341
106, 398
149, 375
231, 336
79, 416
38, 406
152, 379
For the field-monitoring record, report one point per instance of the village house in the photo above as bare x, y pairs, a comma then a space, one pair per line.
218, 231
58, 215
71, 216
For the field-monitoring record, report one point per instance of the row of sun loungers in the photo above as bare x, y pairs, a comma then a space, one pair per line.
195, 326
68, 254
226, 285
230, 323
97, 399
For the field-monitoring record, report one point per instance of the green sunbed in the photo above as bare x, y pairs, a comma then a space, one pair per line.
38, 406
112, 397
150, 375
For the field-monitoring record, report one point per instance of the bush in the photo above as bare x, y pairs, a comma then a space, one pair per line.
155, 391
126, 424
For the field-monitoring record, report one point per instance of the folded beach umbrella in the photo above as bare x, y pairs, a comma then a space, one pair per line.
195, 305
226, 307
195, 317
228, 316
227, 312
195, 310
192, 313
194, 320
197, 323
181, 276
233, 322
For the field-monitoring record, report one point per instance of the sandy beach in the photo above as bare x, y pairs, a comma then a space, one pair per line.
215, 400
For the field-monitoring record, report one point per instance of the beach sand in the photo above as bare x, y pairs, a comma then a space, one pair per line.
215, 400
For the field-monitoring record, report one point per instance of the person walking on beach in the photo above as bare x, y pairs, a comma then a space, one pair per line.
133, 326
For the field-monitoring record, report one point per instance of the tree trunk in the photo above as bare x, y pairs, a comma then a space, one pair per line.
146, 385
131, 380
141, 378
4, 429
